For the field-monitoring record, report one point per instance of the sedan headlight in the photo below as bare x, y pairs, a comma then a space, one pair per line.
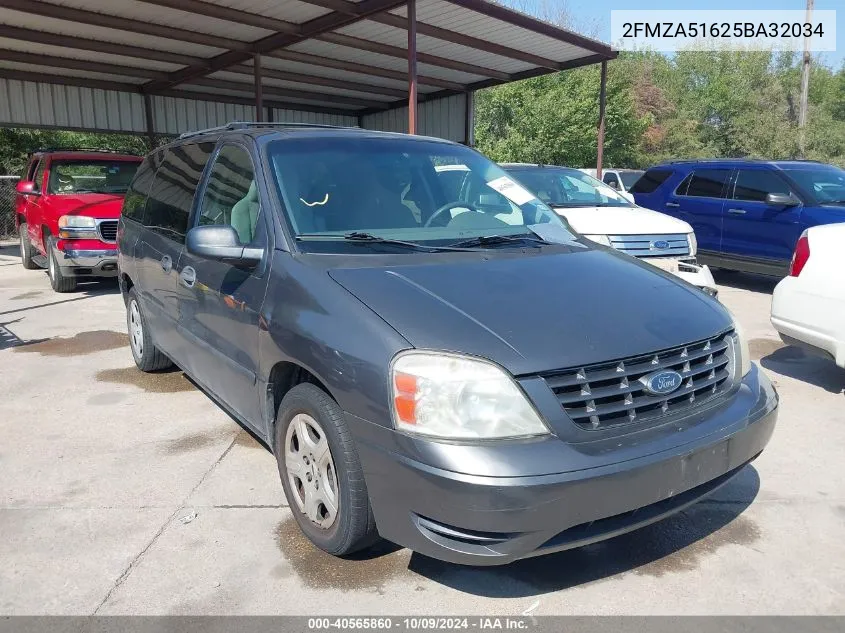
604, 240
77, 222
456, 397
692, 243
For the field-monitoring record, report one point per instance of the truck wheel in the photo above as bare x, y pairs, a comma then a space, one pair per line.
59, 282
321, 472
26, 248
147, 356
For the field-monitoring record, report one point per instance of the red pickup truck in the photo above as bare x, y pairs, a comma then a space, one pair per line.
67, 208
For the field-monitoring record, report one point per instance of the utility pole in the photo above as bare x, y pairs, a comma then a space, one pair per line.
805, 86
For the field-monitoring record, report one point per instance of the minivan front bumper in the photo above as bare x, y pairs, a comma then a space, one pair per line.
431, 498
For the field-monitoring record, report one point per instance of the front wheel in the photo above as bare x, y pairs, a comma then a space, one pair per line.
59, 281
321, 473
27, 251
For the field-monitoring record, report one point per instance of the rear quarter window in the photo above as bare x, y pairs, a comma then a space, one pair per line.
651, 180
136, 197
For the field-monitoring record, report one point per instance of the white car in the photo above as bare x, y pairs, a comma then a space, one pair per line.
808, 307
607, 217
619, 179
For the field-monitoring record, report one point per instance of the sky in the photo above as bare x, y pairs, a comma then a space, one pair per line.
592, 17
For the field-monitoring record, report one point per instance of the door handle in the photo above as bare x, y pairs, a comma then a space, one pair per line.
188, 276
166, 263
672, 205
737, 211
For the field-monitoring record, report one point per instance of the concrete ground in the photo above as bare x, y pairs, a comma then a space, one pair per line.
123, 493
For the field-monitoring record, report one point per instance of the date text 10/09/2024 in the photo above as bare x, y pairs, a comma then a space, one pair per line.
727, 30
419, 623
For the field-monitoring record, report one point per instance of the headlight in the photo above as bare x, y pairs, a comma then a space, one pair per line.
77, 222
456, 397
604, 240
692, 243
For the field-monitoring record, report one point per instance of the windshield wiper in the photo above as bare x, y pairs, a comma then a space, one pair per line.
492, 240
370, 238
834, 201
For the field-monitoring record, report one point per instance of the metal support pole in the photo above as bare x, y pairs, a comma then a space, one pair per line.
148, 115
259, 95
805, 86
602, 99
412, 66
469, 118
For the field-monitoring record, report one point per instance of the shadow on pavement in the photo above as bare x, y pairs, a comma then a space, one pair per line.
795, 363
745, 281
675, 544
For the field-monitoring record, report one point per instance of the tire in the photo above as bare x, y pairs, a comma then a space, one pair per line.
27, 252
146, 355
59, 282
307, 409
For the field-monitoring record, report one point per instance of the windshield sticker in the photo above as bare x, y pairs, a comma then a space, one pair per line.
319, 203
511, 190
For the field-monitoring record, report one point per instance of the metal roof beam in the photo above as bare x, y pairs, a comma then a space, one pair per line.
223, 84
537, 26
397, 21
78, 64
307, 30
273, 73
64, 80
71, 14
97, 46
401, 53
239, 16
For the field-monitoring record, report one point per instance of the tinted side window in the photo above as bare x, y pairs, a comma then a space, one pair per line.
708, 183
231, 195
755, 184
651, 180
29, 173
136, 197
172, 193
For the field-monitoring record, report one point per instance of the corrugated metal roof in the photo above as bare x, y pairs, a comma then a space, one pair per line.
200, 51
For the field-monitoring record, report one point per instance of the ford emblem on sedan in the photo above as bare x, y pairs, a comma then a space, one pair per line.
662, 382
659, 245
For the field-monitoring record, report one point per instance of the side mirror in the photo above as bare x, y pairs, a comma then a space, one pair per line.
782, 200
25, 186
221, 242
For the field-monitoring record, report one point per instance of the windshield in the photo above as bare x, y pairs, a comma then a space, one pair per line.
400, 189
827, 184
91, 176
563, 187
629, 178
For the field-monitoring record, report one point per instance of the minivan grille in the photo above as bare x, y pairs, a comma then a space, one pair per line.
108, 230
651, 245
611, 394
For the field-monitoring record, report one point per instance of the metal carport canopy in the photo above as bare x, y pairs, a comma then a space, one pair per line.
168, 66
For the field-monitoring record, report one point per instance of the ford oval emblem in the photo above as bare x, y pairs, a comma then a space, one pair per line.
659, 245
661, 383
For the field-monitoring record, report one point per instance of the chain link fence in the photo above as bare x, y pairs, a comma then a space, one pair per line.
7, 207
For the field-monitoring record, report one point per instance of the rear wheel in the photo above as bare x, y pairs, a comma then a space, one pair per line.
321, 472
147, 356
27, 252
59, 281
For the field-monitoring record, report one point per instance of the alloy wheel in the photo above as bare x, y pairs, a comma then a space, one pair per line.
310, 470
136, 329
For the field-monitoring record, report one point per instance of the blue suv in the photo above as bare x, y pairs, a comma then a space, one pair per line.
747, 214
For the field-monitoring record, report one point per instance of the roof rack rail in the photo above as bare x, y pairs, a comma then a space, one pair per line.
100, 150
243, 125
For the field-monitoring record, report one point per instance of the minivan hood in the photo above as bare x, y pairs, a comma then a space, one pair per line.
537, 312
622, 221
96, 205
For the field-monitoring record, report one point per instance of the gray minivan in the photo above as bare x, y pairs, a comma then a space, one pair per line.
453, 370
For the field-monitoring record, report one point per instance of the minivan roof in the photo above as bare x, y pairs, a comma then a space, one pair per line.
256, 130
